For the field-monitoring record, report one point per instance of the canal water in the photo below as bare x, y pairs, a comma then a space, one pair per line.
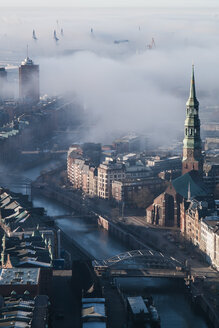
171, 301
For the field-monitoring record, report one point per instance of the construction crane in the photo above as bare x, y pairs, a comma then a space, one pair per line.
152, 44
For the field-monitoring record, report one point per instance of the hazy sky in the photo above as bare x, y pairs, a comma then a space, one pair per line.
123, 87
111, 3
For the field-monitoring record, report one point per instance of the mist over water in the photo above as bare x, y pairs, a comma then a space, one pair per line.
122, 87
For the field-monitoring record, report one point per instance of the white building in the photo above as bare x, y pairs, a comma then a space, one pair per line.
209, 240
108, 172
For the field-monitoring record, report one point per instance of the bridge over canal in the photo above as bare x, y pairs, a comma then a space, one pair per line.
140, 263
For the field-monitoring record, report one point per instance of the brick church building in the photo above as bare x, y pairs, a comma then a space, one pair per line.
166, 208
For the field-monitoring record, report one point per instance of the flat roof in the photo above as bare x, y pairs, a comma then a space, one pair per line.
18, 276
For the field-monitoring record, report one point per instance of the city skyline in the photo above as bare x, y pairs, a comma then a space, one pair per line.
106, 211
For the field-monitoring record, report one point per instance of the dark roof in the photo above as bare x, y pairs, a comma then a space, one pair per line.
197, 186
27, 249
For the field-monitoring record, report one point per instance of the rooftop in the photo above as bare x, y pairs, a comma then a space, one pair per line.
192, 178
27, 61
212, 222
17, 276
16, 312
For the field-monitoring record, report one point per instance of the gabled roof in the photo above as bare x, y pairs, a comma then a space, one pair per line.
197, 187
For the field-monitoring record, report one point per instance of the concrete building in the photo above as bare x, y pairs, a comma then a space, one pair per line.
78, 173
108, 172
135, 169
210, 239
3, 82
132, 191
93, 181
3, 74
158, 164
81, 164
29, 86
127, 144
192, 144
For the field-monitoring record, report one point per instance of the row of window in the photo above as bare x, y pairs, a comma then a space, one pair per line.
190, 132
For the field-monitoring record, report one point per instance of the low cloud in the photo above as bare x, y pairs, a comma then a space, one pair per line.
122, 87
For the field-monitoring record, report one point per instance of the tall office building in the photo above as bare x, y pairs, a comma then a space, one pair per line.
3, 74
3, 81
29, 81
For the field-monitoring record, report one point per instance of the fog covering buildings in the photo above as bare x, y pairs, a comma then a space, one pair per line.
131, 68
3, 82
29, 87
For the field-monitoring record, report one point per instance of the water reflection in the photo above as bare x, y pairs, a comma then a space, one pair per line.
96, 241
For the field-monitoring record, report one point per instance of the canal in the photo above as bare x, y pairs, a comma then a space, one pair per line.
170, 299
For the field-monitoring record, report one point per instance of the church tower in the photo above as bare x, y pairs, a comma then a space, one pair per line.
192, 144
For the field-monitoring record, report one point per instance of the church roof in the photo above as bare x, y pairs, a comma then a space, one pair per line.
192, 179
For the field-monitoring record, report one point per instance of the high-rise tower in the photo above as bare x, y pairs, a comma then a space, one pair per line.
29, 81
3, 81
3, 73
192, 144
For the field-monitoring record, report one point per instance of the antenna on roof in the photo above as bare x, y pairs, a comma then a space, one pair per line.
27, 51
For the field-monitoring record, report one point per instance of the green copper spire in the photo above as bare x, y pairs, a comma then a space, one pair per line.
192, 144
192, 101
